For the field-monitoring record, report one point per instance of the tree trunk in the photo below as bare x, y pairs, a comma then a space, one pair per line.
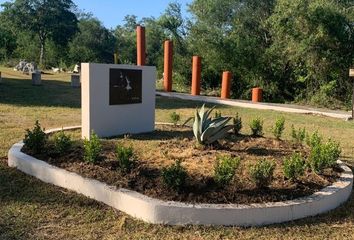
41, 56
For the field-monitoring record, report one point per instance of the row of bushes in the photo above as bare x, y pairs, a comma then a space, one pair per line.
256, 125
323, 155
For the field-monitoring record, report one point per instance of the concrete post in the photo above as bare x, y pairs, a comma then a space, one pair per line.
257, 95
75, 80
140, 41
196, 75
226, 85
37, 78
168, 65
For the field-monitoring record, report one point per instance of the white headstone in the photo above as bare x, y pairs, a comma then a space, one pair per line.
75, 80
36, 78
117, 99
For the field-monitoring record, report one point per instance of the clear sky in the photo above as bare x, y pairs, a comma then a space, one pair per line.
112, 12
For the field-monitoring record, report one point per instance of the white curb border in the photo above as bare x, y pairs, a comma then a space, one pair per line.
174, 213
249, 104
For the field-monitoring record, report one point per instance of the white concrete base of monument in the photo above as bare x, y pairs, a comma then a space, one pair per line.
174, 213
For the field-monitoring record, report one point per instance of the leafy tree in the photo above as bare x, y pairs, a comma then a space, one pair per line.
47, 19
316, 39
93, 42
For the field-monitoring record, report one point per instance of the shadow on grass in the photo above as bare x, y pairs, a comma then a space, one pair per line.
52, 93
165, 103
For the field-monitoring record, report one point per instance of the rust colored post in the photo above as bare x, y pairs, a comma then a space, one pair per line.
257, 95
196, 75
226, 85
140, 45
168, 63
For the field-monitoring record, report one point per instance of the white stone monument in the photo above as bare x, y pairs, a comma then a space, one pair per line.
117, 99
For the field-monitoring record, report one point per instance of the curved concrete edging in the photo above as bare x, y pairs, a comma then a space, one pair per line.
251, 105
174, 213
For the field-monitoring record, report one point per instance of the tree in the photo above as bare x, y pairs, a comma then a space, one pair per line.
316, 38
48, 19
93, 42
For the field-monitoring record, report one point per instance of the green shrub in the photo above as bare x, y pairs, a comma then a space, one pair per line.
299, 135
62, 142
324, 155
175, 118
262, 173
237, 124
175, 176
92, 149
256, 126
278, 128
124, 157
36, 139
207, 130
314, 140
225, 168
294, 167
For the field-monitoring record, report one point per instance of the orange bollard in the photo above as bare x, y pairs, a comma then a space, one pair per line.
226, 85
140, 45
168, 64
196, 75
257, 94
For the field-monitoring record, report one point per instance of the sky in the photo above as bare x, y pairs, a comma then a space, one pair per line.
112, 12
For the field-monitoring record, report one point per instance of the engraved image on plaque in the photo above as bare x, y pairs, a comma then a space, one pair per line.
125, 86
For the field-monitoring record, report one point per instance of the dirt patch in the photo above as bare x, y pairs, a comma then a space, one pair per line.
167, 144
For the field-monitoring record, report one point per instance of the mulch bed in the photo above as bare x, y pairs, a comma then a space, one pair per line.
167, 144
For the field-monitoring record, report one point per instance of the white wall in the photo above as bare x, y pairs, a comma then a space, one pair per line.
106, 120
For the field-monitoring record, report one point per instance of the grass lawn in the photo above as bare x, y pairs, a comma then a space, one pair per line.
30, 209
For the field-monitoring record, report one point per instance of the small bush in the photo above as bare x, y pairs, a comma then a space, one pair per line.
324, 155
237, 124
256, 126
124, 157
262, 173
225, 168
92, 149
294, 167
62, 142
278, 128
175, 176
36, 139
314, 140
175, 118
299, 135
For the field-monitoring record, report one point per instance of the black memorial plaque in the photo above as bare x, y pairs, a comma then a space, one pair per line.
125, 86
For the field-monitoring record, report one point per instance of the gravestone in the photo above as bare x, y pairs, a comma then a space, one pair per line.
117, 99
75, 80
36, 78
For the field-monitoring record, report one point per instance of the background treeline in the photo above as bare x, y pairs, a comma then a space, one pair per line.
297, 50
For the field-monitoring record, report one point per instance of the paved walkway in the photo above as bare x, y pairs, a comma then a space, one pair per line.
265, 106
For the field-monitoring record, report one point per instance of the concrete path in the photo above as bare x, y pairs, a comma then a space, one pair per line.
264, 106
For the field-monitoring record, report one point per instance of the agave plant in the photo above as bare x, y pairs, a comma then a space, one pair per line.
207, 130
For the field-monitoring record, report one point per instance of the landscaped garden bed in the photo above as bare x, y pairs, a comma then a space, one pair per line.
170, 164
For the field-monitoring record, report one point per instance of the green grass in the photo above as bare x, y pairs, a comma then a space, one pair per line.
30, 209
